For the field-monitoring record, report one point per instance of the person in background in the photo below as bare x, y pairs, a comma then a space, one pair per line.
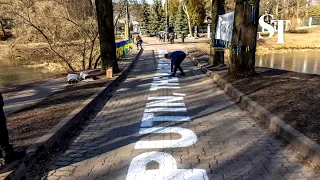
176, 59
182, 37
163, 37
7, 153
160, 37
171, 38
139, 41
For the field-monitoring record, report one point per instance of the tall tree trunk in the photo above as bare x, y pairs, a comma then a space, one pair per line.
286, 9
185, 8
244, 38
216, 57
298, 9
277, 9
307, 8
106, 35
93, 42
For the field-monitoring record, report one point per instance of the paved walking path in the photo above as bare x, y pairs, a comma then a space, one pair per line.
156, 127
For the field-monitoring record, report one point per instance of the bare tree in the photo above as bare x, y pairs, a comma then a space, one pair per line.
185, 9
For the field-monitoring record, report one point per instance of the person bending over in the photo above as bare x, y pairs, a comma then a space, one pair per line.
176, 59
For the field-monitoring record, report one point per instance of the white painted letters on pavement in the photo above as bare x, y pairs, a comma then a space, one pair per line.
167, 168
168, 104
188, 138
149, 118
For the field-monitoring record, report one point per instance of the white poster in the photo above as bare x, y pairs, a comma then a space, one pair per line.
225, 26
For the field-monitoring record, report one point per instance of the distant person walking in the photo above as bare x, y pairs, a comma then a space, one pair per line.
139, 41
171, 38
176, 59
182, 37
160, 37
7, 153
163, 37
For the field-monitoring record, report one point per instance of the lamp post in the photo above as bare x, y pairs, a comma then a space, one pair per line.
167, 20
127, 26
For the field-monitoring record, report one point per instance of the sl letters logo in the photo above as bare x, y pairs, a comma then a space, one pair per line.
271, 29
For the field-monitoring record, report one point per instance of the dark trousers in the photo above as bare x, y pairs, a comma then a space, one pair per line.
4, 136
178, 63
139, 43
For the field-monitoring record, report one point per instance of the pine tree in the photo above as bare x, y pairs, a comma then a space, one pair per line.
157, 18
181, 23
162, 18
145, 22
171, 21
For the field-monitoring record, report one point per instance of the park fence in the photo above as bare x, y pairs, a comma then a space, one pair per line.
123, 48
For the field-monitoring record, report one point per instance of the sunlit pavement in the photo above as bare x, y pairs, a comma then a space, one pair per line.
156, 127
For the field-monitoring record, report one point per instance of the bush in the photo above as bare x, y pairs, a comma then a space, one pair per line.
298, 31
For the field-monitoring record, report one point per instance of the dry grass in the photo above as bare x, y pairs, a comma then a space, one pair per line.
293, 97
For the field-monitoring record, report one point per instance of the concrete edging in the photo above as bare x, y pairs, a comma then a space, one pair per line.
38, 148
305, 145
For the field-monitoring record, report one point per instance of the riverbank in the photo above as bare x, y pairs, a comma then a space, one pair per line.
293, 97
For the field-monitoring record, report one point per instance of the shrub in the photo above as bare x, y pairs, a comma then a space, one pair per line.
298, 31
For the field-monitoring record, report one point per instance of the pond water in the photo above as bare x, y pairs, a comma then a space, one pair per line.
303, 62
13, 74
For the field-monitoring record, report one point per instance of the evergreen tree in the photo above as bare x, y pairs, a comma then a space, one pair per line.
162, 18
171, 21
181, 23
145, 22
157, 18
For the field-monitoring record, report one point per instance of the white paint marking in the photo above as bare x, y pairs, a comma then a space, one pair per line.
165, 105
149, 118
151, 110
167, 169
171, 98
167, 164
164, 83
155, 88
165, 101
188, 138
163, 71
179, 94
170, 79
